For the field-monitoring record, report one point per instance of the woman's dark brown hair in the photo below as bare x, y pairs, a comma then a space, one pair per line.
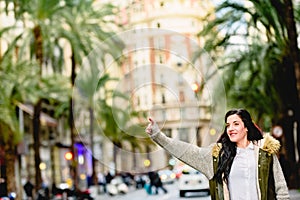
228, 150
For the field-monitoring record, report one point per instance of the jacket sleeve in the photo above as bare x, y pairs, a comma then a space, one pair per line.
199, 158
281, 188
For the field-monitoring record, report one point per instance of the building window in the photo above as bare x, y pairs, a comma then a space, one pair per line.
160, 59
163, 98
181, 96
180, 80
183, 112
193, 23
183, 134
158, 56
199, 140
168, 132
138, 101
146, 100
164, 115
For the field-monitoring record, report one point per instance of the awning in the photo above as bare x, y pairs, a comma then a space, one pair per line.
45, 119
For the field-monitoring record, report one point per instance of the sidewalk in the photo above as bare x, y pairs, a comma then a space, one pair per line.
294, 194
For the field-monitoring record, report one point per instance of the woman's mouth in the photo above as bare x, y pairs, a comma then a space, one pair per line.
232, 134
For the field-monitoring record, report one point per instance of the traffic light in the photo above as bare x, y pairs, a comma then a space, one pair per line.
69, 156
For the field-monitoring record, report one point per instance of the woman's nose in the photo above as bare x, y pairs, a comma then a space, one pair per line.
229, 127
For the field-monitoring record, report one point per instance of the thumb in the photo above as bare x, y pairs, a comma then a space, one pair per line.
151, 120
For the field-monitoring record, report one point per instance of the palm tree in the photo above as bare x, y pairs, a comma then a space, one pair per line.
13, 89
259, 68
86, 84
116, 123
50, 23
86, 29
93, 89
19, 84
80, 23
39, 13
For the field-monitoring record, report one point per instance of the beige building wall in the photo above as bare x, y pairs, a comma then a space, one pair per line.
158, 73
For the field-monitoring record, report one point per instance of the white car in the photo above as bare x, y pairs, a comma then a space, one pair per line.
167, 176
192, 180
117, 186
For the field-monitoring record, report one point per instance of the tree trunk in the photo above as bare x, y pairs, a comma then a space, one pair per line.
294, 53
292, 103
115, 155
38, 45
94, 176
10, 157
38, 50
72, 126
36, 144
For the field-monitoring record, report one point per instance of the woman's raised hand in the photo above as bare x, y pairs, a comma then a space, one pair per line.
152, 127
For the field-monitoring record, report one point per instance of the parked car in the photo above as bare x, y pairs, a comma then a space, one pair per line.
117, 186
192, 180
64, 191
167, 176
140, 180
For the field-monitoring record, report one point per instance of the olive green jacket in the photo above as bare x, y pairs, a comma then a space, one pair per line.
270, 179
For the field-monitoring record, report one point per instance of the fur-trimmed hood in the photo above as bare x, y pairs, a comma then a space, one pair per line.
216, 149
268, 144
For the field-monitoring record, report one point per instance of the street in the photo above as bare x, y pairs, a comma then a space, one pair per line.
138, 194
173, 194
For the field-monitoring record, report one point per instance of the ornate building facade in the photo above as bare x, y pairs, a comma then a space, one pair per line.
161, 74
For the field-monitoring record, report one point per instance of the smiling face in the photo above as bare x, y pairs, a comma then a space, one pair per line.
237, 131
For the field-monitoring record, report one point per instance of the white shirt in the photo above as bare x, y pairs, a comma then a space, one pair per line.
242, 177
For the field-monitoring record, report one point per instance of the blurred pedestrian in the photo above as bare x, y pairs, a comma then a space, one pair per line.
158, 183
108, 177
151, 183
139, 181
242, 164
102, 181
28, 188
3, 187
43, 193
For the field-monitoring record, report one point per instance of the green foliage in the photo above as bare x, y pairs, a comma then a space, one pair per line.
52, 32
252, 38
17, 83
86, 27
115, 123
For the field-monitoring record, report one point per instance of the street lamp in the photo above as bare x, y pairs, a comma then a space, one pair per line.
68, 156
147, 163
196, 88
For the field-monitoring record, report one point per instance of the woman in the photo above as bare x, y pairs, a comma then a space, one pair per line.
241, 165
